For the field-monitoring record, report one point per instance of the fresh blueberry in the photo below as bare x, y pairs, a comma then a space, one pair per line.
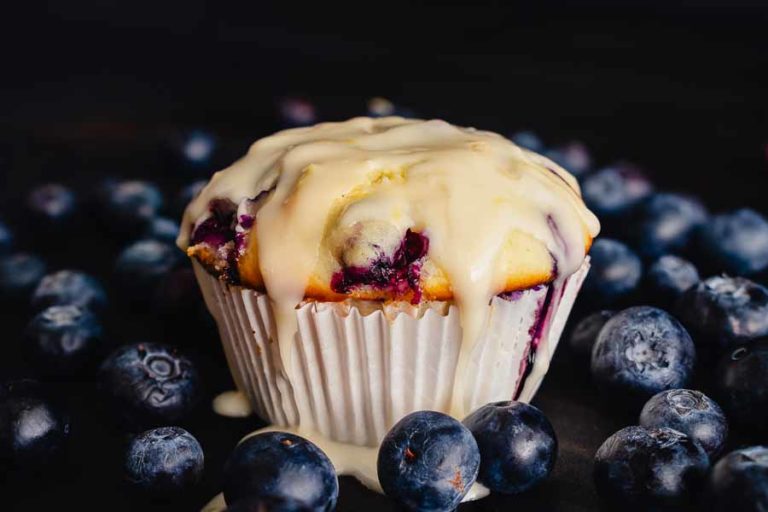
736, 242
428, 461
163, 229
665, 223
584, 335
130, 205
739, 481
62, 340
573, 157
722, 311
649, 469
380, 107
19, 274
6, 238
642, 351
164, 460
528, 140
196, 148
69, 287
281, 466
615, 274
742, 386
518, 446
142, 264
691, 412
187, 194
295, 111
33, 429
52, 203
613, 191
150, 384
668, 278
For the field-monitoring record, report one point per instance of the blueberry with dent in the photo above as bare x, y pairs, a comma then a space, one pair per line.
691, 412
642, 351
69, 287
428, 461
518, 446
614, 191
280, 467
615, 273
141, 265
742, 386
736, 242
668, 278
150, 384
665, 223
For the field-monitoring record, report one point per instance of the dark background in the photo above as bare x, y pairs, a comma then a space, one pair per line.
89, 88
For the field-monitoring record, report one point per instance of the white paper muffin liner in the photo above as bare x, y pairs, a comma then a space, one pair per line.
359, 366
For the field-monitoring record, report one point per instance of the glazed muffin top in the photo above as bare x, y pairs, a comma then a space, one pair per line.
389, 209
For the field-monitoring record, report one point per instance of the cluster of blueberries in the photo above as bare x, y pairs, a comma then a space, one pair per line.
711, 333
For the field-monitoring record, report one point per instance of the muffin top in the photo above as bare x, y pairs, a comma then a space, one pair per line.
389, 209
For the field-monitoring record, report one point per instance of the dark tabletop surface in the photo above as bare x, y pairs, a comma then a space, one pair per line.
92, 91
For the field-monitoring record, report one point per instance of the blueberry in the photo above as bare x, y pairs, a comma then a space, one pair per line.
722, 311
19, 274
130, 205
739, 481
585, 333
691, 412
742, 386
269, 504
69, 287
6, 238
668, 278
573, 157
33, 429
380, 107
528, 140
187, 194
281, 466
64, 339
140, 265
163, 229
615, 274
428, 461
295, 111
518, 446
642, 351
649, 469
196, 148
736, 242
150, 384
52, 203
665, 223
613, 191
164, 460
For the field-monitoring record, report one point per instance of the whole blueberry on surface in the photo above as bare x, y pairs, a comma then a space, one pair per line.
294, 111
150, 384
281, 466
142, 264
614, 191
62, 340
187, 194
723, 311
69, 287
668, 278
269, 504
742, 385
736, 242
163, 229
164, 460
574, 157
19, 274
615, 274
584, 335
528, 140
739, 481
6, 238
129, 205
691, 412
33, 429
649, 469
665, 223
428, 461
642, 351
518, 446
51, 203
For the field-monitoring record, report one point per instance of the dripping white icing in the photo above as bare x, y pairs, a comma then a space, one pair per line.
232, 404
467, 190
